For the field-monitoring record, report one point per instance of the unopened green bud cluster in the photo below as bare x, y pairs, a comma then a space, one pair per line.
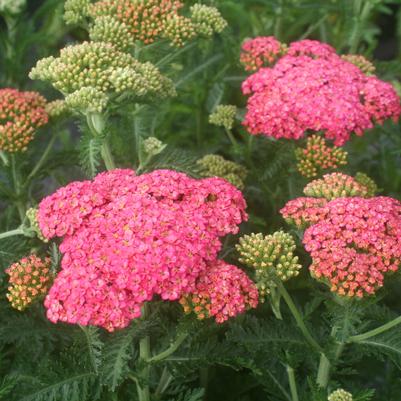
223, 116
207, 20
56, 109
75, 11
272, 257
217, 166
32, 215
12, 7
340, 395
368, 183
361, 62
101, 70
153, 146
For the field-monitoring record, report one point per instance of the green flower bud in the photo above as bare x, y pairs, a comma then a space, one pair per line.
152, 146
56, 109
340, 395
12, 7
361, 62
223, 116
87, 99
367, 182
75, 11
207, 20
32, 215
217, 166
272, 257
110, 30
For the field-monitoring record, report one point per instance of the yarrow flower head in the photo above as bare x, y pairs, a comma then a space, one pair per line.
21, 114
353, 241
153, 146
368, 183
207, 20
75, 11
340, 395
336, 185
272, 257
311, 88
317, 157
223, 116
99, 69
128, 238
223, 291
57, 109
217, 166
261, 52
30, 280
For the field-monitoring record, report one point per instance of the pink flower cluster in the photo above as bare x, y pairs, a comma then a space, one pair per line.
311, 88
352, 241
223, 291
261, 51
128, 238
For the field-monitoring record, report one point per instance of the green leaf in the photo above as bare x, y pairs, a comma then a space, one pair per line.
94, 345
90, 154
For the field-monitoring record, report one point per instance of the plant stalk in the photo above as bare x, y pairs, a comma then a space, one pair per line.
12, 233
170, 350
375, 332
144, 356
298, 318
292, 383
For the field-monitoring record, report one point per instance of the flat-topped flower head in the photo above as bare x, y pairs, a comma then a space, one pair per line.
336, 185
224, 116
261, 52
361, 62
29, 281
368, 183
21, 115
91, 71
127, 238
318, 157
312, 89
217, 166
207, 20
355, 244
222, 291
272, 257
340, 395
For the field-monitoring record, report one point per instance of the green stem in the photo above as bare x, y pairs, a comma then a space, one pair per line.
107, 156
170, 350
164, 382
12, 233
323, 373
375, 332
17, 188
297, 316
144, 356
4, 158
232, 138
43, 158
292, 383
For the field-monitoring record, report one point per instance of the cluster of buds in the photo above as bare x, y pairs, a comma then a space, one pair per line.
217, 166
368, 183
30, 280
91, 71
317, 157
223, 116
151, 20
361, 62
75, 11
32, 215
12, 7
336, 185
207, 20
56, 109
272, 257
260, 52
153, 146
21, 114
340, 395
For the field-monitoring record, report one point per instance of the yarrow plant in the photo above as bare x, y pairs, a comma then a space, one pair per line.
159, 235
311, 88
21, 115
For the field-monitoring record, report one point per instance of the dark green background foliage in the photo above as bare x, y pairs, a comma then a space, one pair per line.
246, 358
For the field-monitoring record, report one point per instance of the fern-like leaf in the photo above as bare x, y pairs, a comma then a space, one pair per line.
94, 346
90, 154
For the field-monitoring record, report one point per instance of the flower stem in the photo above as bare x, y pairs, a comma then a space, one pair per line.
12, 233
17, 188
144, 356
298, 318
4, 158
323, 373
170, 350
107, 156
375, 332
292, 383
